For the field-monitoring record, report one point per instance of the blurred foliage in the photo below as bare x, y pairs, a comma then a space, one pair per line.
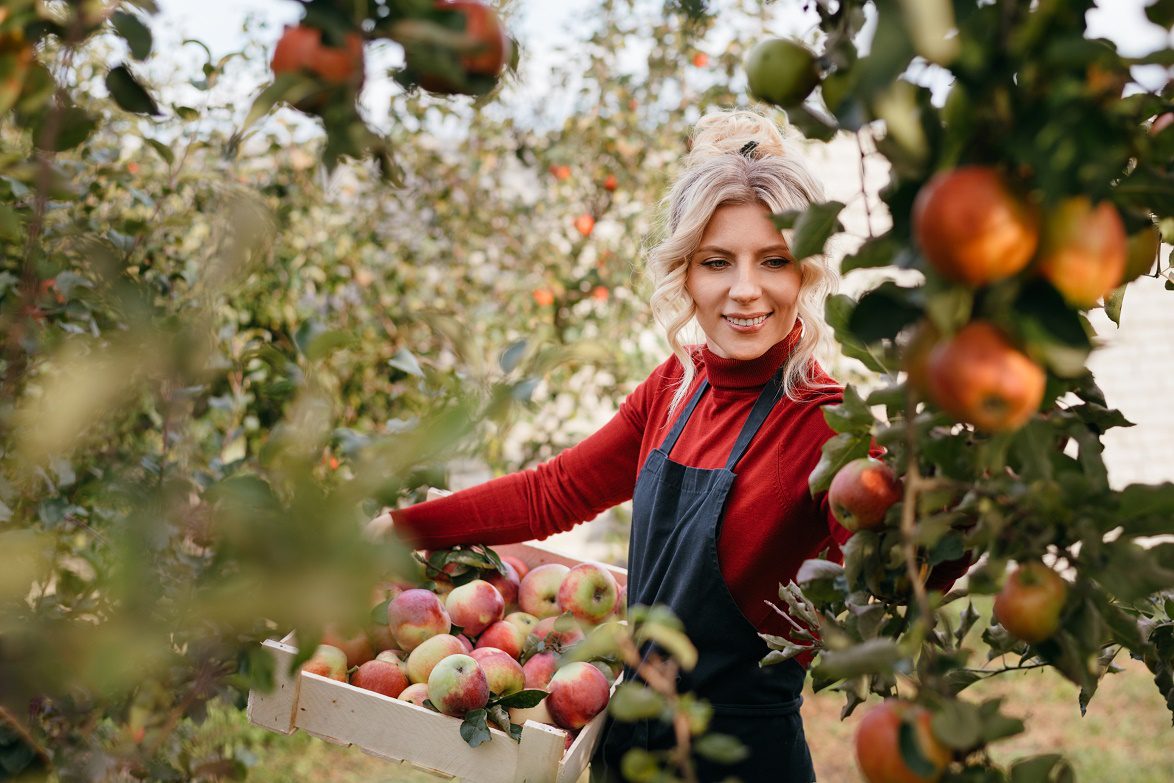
218, 359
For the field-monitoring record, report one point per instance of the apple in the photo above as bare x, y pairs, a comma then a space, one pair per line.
357, 646
506, 584
464, 640
1084, 250
537, 713
538, 593
539, 669
504, 636
327, 661
606, 670
431, 651
521, 568
381, 637
781, 71
589, 592
621, 607
381, 676
973, 227
523, 620
502, 671
559, 632
457, 684
610, 183
475, 606
1031, 601
584, 224
878, 745
578, 692
415, 693
861, 493
416, 615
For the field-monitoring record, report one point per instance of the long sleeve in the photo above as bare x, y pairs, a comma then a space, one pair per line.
575, 486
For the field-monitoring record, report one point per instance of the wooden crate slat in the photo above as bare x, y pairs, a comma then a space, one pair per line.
340, 712
275, 710
539, 753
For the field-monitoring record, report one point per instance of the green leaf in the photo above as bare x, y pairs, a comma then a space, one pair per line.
883, 312
633, 701
475, 728
674, 642
721, 748
163, 150
128, 93
1133, 571
874, 656
836, 453
1053, 331
1113, 305
837, 311
405, 361
1049, 768
136, 34
911, 754
878, 251
1145, 509
290, 88
1161, 13
74, 126
812, 125
958, 724
814, 227
10, 228
524, 699
996, 725
851, 415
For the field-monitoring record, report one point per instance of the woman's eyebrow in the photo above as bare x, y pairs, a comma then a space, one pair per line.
722, 250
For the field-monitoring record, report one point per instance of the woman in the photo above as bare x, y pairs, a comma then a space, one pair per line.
714, 448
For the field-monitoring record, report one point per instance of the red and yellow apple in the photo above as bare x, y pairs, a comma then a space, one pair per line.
475, 606
507, 584
1031, 602
416, 615
588, 591
423, 659
521, 568
502, 671
356, 645
878, 747
457, 684
381, 676
538, 593
504, 636
539, 669
560, 632
327, 661
415, 693
578, 692
1084, 250
861, 493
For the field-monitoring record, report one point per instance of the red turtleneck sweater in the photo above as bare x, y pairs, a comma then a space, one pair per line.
772, 523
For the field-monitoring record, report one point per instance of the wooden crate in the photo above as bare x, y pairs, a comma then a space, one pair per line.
388, 728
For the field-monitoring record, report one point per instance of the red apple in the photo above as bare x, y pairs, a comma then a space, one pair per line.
878, 744
502, 671
431, 651
382, 677
578, 692
861, 493
356, 645
457, 684
415, 693
559, 632
504, 636
464, 640
327, 661
621, 607
416, 615
523, 620
589, 592
539, 669
518, 565
381, 637
506, 584
538, 593
475, 606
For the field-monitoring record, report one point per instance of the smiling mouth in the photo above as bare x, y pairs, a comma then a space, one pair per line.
745, 322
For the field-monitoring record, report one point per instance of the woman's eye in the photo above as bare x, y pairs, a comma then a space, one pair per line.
715, 263
777, 263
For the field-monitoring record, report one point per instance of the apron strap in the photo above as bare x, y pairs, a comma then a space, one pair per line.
762, 407
670, 440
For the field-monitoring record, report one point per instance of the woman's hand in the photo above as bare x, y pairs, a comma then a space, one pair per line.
380, 527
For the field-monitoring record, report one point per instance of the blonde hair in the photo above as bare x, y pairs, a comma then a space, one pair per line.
722, 168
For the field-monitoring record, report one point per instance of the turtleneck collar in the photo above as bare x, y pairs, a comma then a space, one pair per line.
733, 374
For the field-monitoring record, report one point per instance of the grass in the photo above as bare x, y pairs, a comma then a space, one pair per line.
1126, 735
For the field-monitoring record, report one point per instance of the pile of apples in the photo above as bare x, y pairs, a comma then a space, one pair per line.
490, 638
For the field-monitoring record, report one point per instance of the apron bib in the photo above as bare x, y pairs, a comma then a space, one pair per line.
676, 519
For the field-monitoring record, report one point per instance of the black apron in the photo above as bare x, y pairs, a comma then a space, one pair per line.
676, 518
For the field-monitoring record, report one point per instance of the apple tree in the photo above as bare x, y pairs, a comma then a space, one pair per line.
1030, 182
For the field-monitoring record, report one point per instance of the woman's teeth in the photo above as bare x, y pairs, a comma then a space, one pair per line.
746, 321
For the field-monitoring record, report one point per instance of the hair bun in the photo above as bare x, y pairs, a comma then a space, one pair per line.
735, 131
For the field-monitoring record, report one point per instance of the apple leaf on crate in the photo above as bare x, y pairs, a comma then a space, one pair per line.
475, 728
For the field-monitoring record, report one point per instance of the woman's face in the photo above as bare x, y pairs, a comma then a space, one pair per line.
744, 282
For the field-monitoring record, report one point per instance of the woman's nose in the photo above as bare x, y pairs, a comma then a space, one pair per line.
746, 286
